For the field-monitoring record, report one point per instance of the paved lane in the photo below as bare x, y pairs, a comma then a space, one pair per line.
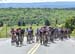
60, 47
7, 48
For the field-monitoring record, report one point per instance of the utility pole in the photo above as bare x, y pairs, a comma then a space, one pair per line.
56, 22
0, 33
6, 30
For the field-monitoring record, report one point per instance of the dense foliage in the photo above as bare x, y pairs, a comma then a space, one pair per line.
12, 16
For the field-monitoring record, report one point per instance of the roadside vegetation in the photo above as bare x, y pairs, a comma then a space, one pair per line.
37, 17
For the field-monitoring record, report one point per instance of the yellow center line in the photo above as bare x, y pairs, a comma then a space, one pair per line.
29, 52
33, 49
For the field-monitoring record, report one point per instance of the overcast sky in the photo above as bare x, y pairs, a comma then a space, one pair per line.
30, 1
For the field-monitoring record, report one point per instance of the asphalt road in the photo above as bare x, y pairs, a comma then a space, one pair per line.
59, 47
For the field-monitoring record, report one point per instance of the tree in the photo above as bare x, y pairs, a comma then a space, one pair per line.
19, 23
47, 23
70, 23
23, 24
1, 24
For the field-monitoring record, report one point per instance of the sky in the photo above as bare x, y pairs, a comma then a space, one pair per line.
31, 1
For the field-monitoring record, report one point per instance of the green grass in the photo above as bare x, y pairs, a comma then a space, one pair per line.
73, 33
5, 31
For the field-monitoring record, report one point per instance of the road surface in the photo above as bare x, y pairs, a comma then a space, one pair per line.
59, 47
